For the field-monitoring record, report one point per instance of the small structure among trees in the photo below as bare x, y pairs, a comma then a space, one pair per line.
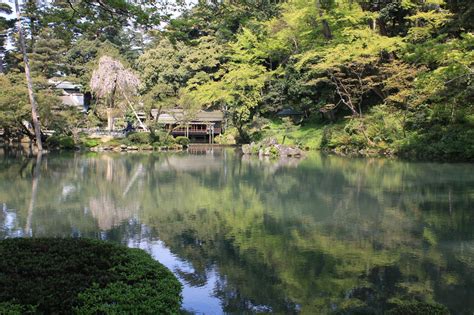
202, 126
71, 94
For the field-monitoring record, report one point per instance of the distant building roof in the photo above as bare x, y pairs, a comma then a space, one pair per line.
73, 100
175, 115
71, 95
289, 112
65, 85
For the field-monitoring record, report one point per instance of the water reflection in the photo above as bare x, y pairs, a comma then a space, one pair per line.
318, 235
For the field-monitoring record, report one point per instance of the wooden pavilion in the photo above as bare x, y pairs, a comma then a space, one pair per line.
202, 126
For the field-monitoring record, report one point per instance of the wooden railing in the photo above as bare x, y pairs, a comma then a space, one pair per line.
194, 132
103, 132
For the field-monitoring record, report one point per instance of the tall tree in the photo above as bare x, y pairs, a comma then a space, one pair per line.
29, 82
4, 26
47, 57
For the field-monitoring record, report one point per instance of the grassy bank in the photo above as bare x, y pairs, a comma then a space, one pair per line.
307, 135
381, 132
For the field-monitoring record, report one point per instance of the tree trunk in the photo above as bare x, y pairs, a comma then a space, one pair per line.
134, 111
326, 28
382, 27
110, 119
31, 94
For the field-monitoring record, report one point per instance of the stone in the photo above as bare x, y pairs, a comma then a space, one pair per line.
293, 152
270, 142
246, 149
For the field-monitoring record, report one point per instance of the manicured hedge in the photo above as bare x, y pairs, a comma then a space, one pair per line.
83, 276
139, 138
419, 308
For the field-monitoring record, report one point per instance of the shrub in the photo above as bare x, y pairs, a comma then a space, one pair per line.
90, 143
8, 308
228, 138
415, 308
52, 142
274, 152
139, 138
63, 276
184, 141
164, 138
452, 142
170, 140
66, 142
116, 142
63, 142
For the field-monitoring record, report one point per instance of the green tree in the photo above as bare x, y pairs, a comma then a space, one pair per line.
4, 26
29, 83
47, 58
15, 108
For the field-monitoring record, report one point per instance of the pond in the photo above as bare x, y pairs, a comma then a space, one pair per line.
318, 235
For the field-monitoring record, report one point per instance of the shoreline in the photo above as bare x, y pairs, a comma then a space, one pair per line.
23, 149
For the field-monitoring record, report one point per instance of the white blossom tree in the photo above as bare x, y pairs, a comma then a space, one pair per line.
111, 81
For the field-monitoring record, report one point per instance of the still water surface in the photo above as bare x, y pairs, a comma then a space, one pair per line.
319, 235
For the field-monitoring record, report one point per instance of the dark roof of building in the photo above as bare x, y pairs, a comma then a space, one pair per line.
176, 115
65, 85
288, 112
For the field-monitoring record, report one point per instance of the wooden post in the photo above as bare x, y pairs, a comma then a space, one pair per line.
212, 134
134, 111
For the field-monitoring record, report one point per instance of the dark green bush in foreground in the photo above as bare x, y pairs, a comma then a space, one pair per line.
418, 308
82, 276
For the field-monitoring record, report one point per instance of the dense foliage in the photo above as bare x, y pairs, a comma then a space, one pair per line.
65, 276
375, 77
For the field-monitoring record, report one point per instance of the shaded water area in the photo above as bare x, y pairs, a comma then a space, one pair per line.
319, 235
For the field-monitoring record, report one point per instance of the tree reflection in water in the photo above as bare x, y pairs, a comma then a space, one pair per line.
323, 234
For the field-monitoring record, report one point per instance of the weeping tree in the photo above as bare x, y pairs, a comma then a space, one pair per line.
113, 83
